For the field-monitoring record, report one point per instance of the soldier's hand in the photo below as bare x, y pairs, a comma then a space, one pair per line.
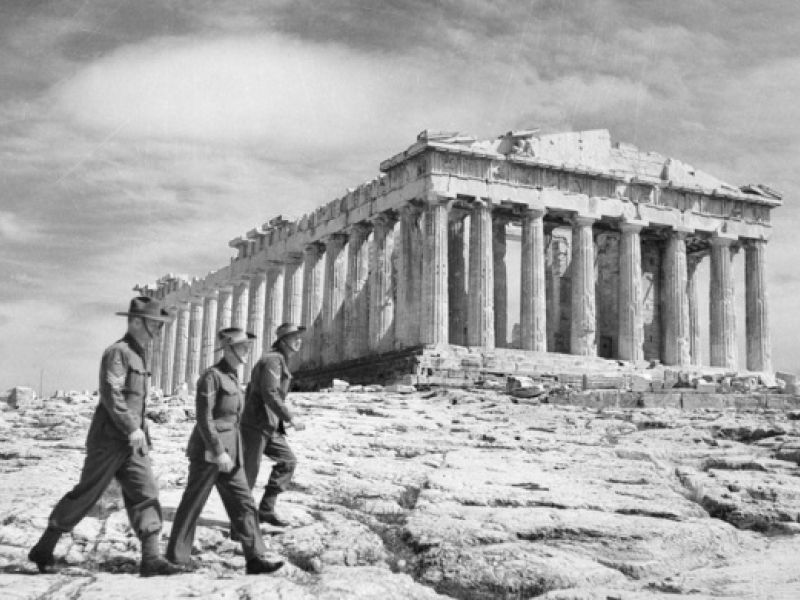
138, 441
225, 463
298, 425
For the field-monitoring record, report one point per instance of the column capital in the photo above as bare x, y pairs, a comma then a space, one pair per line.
632, 225
410, 208
212, 293
435, 198
338, 239
681, 231
583, 220
383, 219
533, 212
294, 258
313, 249
753, 242
723, 239
274, 265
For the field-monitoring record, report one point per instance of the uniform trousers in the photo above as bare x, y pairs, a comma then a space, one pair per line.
105, 460
256, 444
236, 498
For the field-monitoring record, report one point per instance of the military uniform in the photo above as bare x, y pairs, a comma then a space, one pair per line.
124, 388
263, 431
219, 406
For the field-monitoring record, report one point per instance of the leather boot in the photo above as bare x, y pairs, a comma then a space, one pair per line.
258, 565
152, 563
42, 552
266, 511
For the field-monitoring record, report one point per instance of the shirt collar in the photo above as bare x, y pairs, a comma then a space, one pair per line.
224, 367
135, 346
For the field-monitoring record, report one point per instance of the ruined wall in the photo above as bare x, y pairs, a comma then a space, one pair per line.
607, 292
651, 296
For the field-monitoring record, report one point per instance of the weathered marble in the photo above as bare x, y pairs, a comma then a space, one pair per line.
209, 334
313, 282
381, 284
677, 349
480, 307
631, 327
256, 303
500, 281
458, 226
357, 292
181, 345
759, 352
722, 309
435, 308
533, 307
273, 303
333, 332
583, 332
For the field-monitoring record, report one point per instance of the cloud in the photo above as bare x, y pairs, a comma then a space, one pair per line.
14, 230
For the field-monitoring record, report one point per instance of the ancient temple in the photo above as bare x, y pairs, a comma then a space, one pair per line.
404, 272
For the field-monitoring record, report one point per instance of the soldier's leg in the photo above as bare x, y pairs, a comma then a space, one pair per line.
140, 492
99, 466
238, 501
202, 476
253, 443
277, 449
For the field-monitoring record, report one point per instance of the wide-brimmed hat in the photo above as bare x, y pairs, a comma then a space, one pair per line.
233, 336
287, 329
147, 308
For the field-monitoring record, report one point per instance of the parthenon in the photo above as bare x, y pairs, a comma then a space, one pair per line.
610, 239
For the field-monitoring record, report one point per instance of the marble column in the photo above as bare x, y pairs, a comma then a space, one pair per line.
333, 298
533, 302
583, 329
209, 330
408, 249
434, 320
273, 303
181, 345
155, 361
356, 302
677, 349
692, 262
722, 309
293, 289
759, 351
255, 318
195, 342
557, 257
458, 280
313, 282
168, 357
500, 281
241, 296
480, 325
381, 284
631, 324
224, 310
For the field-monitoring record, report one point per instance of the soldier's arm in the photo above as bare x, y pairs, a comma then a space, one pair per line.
271, 389
113, 372
204, 408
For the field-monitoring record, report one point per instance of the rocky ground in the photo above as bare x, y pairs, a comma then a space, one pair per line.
450, 494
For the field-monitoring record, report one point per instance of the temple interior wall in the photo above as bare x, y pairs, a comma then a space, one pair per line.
607, 292
651, 298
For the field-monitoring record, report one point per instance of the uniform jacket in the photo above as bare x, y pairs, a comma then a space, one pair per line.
219, 405
265, 404
124, 387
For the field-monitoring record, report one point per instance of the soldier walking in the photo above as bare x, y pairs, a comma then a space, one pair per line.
215, 455
265, 418
117, 446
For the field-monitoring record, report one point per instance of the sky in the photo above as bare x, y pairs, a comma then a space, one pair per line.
138, 138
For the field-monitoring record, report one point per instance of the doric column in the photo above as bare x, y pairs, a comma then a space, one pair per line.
500, 281
195, 341
631, 325
675, 301
458, 279
532, 302
155, 360
480, 325
241, 297
722, 309
209, 330
583, 328
313, 281
759, 351
293, 289
255, 318
168, 357
557, 259
333, 298
408, 249
434, 323
692, 262
356, 301
273, 303
224, 310
381, 284
181, 345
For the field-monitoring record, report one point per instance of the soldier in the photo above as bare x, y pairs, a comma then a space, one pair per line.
265, 417
215, 456
117, 446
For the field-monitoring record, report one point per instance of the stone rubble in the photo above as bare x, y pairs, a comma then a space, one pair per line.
445, 494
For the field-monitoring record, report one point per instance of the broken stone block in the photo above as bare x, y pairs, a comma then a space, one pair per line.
524, 387
399, 388
339, 385
21, 397
640, 383
706, 387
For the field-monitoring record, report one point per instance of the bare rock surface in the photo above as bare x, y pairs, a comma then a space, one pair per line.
460, 494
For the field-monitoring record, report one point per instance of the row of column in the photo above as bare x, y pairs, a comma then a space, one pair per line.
386, 284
